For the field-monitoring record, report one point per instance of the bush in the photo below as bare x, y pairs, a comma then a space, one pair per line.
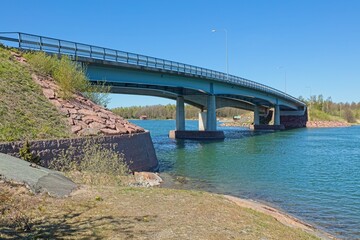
42, 62
25, 154
96, 164
71, 78
69, 75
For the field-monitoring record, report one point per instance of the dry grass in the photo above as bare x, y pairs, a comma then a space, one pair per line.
139, 213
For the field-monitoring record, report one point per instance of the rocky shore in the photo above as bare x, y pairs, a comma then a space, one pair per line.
326, 124
85, 117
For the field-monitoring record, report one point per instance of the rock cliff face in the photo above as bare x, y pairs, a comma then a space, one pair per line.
85, 117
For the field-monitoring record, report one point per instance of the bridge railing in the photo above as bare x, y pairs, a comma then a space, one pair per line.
57, 46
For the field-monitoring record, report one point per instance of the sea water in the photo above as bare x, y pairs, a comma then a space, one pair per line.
313, 174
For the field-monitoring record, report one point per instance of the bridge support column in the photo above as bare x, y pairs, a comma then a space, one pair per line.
211, 113
180, 114
207, 122
202, 121
256, 116
277, 115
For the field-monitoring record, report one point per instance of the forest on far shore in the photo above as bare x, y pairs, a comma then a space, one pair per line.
320, 109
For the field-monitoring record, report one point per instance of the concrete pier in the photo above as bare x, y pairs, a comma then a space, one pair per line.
256, 115
180, 113
197, 135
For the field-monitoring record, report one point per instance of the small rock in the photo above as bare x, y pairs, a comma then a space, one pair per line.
121, 128
68, 105
86, 112
111, 126
56, 103
96, 125
71, 121
72, 111
49, 93
92, 118
103, 115
89, 132
75, 129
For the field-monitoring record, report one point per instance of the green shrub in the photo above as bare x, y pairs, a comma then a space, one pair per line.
69, 75
25, 154
96, 164
71, 78
42, 62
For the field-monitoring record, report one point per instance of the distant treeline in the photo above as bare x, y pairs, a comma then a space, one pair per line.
169, 112
319, 108
326, 109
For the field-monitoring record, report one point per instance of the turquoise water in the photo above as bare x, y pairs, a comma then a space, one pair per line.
313, 174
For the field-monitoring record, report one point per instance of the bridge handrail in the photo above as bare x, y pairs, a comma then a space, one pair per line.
58, 46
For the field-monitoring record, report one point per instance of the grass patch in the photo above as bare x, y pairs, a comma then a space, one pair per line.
25, 113
317, 115
96, 165
118, 213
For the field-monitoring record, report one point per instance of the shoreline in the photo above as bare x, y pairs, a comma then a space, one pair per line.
281, 216
183, 183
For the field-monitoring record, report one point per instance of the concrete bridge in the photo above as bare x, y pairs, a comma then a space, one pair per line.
130, 73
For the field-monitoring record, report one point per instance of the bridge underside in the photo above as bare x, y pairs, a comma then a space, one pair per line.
206, 95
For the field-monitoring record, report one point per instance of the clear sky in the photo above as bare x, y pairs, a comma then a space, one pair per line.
316, 42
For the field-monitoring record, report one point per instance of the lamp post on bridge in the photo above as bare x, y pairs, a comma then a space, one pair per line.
226, 51
281, 67
310, 99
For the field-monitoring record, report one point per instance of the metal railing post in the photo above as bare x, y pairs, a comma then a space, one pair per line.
76, 49
40, 43
19, 40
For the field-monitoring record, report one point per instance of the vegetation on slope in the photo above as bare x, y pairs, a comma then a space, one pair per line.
25, 113
69, 75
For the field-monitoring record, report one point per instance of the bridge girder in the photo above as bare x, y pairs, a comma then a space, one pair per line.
194, 90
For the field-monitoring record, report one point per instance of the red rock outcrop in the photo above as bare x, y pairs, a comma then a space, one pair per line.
84, 116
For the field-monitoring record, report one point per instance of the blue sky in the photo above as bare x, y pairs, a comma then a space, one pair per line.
316, 42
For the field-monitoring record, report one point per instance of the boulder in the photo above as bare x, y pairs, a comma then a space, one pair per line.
147, 179
109, 131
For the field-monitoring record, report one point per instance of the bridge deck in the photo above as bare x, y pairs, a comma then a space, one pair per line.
92, 53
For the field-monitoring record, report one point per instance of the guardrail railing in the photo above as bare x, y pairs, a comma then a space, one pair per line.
57, 46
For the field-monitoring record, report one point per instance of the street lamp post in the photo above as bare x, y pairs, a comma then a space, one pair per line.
310, 103
226, 51
285, 73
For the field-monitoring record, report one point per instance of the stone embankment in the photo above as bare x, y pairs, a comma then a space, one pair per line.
326, 124
85, 117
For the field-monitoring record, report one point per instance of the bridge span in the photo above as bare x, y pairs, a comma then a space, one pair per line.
130, 73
